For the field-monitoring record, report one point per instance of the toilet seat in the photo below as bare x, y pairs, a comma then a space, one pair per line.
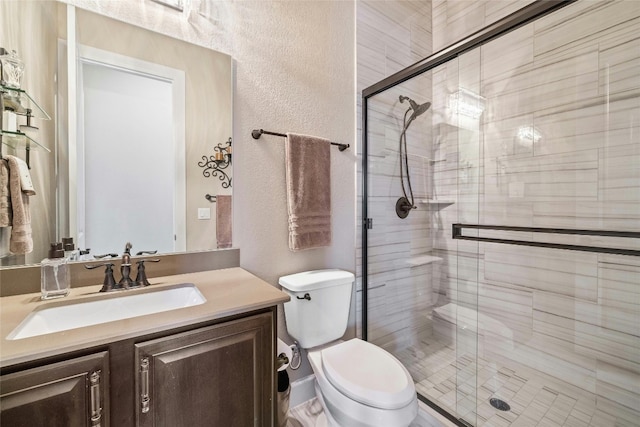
349, 412
368, 374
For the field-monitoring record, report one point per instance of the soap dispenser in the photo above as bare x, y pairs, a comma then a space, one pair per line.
70, 251
55, 278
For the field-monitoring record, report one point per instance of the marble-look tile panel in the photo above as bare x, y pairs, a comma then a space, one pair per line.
511, 307
619, 385
395, 30
618, 284
498, 9
582, 24
602, 122
578, 71
504, 137
607, 409
506, 57
369, 60
619, 174
613, 347
397, 17
619, 67
453, 20
561, 272
587, 312
543, 178
598, 215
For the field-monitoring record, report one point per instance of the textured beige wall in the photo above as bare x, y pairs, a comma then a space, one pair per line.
294, 72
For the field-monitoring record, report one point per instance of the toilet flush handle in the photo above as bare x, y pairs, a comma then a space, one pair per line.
306, 296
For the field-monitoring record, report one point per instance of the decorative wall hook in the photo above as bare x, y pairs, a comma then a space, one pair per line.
216, 164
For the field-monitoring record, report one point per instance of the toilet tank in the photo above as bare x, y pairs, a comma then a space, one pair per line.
318, 311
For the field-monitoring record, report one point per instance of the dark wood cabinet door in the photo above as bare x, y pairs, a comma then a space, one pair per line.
222, 375
70, 393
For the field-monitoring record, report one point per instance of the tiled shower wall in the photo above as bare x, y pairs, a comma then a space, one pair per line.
574, 77
390, 36
454, 20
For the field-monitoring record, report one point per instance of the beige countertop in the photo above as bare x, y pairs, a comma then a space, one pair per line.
228, 292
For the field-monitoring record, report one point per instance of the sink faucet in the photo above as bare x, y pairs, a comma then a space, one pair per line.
125, 269
126, 282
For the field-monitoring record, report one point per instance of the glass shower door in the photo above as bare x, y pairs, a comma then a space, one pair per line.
511, 291
413, 288
558, 171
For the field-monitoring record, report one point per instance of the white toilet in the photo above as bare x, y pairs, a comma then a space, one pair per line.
357, 383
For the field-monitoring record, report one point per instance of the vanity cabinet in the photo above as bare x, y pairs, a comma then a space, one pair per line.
69, 393
220, 375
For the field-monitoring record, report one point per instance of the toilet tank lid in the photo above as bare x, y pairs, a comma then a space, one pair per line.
316, 279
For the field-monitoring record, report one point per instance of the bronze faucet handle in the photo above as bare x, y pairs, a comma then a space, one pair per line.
109, 283
105, 255
141, 277
147, 253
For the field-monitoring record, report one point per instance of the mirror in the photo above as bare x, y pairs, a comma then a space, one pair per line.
65, 177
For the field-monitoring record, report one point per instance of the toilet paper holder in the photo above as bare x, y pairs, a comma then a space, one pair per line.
286, 356
281, 361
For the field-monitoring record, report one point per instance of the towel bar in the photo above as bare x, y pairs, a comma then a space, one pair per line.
257, 133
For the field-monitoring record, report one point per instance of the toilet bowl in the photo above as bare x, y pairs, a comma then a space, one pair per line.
357, 383
362, 385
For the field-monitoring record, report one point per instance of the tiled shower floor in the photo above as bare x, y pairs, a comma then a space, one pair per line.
536, 399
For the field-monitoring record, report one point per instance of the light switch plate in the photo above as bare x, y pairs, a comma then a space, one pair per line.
204, 213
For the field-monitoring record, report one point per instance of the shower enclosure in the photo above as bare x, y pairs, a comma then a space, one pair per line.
511, 290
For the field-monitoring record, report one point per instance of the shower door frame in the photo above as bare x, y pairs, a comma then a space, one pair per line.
524, 16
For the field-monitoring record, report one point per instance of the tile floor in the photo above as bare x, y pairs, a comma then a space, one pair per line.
536, 399
308, 413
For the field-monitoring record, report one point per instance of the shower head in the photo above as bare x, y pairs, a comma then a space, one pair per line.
418, 109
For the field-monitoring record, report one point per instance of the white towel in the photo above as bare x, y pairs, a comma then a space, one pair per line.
5, 195
25, 177
21, 241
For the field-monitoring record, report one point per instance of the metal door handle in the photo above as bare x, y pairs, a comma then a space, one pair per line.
144, 385
96, 410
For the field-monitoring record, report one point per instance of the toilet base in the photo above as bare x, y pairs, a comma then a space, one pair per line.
325, 419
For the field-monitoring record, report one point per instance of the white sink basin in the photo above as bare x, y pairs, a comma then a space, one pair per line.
57, 317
